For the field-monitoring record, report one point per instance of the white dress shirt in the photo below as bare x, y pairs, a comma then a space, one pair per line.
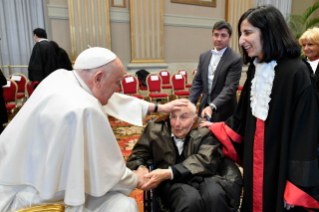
216, 56
313, 64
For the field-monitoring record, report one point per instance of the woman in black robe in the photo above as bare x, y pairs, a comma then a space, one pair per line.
3, 110
63, 59
274, 131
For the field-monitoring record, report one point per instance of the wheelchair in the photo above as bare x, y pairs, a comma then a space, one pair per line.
153, 203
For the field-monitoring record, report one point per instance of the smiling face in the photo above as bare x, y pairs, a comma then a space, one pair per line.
182, 121
250, 40
310, 49
221, 38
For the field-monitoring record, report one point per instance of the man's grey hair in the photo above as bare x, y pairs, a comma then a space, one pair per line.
193, 106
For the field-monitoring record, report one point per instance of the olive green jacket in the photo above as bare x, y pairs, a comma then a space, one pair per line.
200, 152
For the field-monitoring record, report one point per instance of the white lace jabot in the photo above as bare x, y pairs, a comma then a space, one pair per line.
261, 88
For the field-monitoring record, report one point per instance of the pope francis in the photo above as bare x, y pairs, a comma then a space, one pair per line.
60, 147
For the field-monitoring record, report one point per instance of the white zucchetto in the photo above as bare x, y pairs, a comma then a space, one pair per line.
93, 58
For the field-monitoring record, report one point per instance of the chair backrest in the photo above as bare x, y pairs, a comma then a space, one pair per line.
10, 91
183, 72
165, 76
154, 83
194, 72
129, 84
30, 88
21, 81
178, 81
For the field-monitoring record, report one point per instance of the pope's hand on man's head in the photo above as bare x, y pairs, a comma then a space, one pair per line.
173, 105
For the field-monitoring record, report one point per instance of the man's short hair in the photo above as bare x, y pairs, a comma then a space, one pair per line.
40, 33
223, 25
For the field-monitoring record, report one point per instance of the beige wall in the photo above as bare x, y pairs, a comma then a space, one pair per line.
186, 44
121, 41
195, 10
61, 34
182, 44
58, 2
298, 6
60, 28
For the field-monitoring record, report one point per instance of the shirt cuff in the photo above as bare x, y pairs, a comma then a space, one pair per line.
214, 106
145, 106
172, 177
140, 166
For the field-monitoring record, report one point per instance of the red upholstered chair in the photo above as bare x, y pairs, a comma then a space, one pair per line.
21, 81
154, 85
240, 88
178, 82
183, 72
140, 86
10, 95
30, 87
130, 86
165, 79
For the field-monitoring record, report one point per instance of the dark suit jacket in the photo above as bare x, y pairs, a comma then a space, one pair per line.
225, 84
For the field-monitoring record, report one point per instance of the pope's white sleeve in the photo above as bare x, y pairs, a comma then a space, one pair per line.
127, 183
127, 108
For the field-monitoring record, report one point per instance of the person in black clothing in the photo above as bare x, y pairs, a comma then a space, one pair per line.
43, 60
274, 130
63, 58
3, 110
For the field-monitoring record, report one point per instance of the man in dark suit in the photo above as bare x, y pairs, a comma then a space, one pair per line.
43, 60
217, 76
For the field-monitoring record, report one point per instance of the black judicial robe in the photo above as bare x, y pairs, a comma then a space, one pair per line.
316, 73
43, 61
3, 110
289, 160
64, 60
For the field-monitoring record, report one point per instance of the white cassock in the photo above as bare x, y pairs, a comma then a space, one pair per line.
60, 148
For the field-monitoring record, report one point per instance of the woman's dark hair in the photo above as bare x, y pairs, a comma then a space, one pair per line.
278, 41
55, 46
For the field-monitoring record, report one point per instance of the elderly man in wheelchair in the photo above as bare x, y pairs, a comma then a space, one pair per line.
191, 174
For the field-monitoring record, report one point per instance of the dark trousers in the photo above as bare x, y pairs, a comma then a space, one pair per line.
209, 196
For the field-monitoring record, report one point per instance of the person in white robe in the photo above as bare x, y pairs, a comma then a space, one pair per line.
60, 147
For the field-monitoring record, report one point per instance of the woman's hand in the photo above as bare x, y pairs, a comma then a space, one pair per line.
205, 124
